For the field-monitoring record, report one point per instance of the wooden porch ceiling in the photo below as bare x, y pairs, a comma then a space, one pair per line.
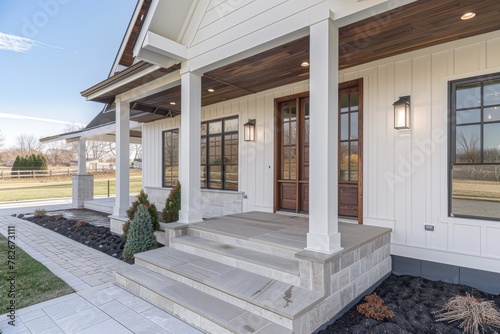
414, 26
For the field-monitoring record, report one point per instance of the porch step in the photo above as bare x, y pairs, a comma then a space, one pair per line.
222, 235
193, 306
271, 266
276, 301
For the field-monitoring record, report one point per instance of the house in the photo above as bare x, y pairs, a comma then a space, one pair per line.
379, 112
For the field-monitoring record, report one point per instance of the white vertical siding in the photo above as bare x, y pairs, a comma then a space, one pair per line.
405, 172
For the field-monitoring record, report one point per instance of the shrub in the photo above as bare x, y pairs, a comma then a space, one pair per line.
40, 213
475, 314
140, 236
373, 308
170, 212
142, 199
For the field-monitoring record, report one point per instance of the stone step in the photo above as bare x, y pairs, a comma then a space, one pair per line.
276, 301
272, 266
222, 235
193, 306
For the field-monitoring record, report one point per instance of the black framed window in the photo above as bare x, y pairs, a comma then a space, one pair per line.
474, 175
219, 154
170, 157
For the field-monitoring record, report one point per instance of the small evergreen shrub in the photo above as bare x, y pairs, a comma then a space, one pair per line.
170, 212
142, 199
141, 237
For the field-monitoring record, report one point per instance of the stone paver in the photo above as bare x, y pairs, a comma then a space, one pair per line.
98, 305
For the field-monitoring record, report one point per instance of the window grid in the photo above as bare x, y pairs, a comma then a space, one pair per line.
170, 157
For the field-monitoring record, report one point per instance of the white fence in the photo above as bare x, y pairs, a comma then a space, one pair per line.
5, 174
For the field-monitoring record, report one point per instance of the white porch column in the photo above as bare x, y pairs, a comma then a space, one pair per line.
190, 148
82, 157
122, 159
323, 233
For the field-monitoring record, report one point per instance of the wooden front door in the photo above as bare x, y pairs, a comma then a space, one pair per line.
292, 154
350, 150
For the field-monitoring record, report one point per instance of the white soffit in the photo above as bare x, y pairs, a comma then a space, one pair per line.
169, 18
164, 46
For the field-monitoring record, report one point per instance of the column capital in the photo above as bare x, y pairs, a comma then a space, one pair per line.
321, 16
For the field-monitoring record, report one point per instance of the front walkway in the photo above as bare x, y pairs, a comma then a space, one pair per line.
97, 306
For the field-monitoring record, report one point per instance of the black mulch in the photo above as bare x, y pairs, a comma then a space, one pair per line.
97, 237
413, 301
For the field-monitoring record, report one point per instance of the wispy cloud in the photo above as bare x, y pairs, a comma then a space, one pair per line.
19, 44
32, 118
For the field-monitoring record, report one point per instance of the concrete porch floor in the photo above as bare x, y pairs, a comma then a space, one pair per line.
249, 272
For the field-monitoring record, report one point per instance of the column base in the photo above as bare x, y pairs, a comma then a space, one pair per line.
327, 244
190, 217
82, 190
116, 224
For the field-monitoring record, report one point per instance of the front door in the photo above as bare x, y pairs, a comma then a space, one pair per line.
292, 154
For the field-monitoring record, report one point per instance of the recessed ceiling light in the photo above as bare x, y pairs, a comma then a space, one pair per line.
211, 90
304, 64
468, 16
173, 103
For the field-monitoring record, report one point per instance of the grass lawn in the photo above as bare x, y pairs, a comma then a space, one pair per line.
58, 187
34, 283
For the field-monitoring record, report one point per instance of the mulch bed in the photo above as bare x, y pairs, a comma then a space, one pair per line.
413, 301
99, 238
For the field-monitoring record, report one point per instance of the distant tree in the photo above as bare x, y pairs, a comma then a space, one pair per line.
2, 140
60, 153
28, 144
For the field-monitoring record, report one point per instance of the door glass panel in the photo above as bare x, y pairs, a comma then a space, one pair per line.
354, 101
344, 126
491, 145
344, 103
354, 126
305, 151
353, 161
344, 161
468, 143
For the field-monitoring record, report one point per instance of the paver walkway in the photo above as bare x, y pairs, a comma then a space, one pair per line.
97, 306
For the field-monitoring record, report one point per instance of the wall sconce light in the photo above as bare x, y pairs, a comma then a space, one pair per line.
249, 129
402, 113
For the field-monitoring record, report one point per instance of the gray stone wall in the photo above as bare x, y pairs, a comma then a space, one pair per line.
214, 203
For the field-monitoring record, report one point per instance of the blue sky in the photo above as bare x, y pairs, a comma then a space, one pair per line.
50, 51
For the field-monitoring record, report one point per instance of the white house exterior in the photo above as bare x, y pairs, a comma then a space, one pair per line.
405, 180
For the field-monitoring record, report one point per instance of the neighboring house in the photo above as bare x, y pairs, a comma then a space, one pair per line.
319, 84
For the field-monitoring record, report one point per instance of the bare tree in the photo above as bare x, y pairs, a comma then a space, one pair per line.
2, 140
59, 153
468, 149
28, 144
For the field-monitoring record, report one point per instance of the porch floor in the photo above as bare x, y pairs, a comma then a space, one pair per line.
283, 230
104, 204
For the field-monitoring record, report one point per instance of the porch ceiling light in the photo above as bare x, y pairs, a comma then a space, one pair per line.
468, 16
211, 90
305, 64
249, 130
173, 103
402, 113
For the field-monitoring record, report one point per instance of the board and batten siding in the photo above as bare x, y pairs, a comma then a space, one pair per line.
405, 172
256, 159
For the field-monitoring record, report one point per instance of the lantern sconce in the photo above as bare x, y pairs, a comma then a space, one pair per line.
249, 128
402, 113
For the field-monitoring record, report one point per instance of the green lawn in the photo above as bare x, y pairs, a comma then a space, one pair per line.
34, 283
29, 189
